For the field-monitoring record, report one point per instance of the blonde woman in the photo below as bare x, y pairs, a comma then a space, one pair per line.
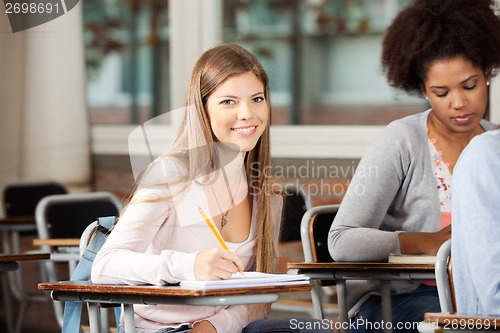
216, 163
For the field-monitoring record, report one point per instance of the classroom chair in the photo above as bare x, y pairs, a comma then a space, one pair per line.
296, 202
18, 204
65, 217
448, 320
314, 229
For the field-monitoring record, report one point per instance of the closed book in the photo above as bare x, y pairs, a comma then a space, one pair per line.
412, 258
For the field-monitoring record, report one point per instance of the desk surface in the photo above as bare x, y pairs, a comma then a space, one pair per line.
359, 266
57, 242
454, 320
175, 290
23, 257
18, 220
146, 294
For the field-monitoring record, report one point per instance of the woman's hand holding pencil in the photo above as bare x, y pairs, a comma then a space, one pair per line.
217, 263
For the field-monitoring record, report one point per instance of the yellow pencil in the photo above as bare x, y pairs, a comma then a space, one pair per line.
216, 233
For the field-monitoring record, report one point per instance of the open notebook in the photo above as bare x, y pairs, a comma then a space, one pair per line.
249, 279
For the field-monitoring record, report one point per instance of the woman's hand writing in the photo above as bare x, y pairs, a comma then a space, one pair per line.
217, 264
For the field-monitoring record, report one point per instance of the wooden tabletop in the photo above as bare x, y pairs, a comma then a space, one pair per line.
18, 220
175, 290
359, 266
452, 320
24, 257
57, 242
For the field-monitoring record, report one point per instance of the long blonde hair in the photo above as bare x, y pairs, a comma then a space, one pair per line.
194, 141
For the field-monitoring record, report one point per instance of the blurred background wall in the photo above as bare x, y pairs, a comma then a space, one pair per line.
44, 116
75, 88
73, 91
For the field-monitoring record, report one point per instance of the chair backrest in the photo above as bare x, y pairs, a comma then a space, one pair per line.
448, 318
87, 236
21, 198
444, 278
67, 215
314, 229
297, 202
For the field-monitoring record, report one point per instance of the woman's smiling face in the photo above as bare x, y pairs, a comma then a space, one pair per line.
239, 111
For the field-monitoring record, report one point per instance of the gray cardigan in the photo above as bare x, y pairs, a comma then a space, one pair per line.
392, 190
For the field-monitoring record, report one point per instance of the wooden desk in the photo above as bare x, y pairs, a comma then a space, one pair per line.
57, 242
451, 322
18, 220
5, 259
10, 262
343, 271
146, 294
71, 253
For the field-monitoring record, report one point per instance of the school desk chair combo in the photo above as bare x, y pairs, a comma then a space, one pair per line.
60, 221
17, 217
82, 290
320, 266
448, 320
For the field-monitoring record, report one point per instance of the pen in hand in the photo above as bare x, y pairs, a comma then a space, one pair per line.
214, 231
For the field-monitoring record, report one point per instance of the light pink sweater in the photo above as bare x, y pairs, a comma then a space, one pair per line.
147, 247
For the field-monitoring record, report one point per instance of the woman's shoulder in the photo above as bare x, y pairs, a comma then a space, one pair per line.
414, 123
407, 131
488, 141
488, 125
163, 170
483, 151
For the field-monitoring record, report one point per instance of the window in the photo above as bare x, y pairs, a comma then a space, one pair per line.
330, 87
126, 59
323, 58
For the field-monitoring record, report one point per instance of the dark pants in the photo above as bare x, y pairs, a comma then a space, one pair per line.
290, 325
407, 311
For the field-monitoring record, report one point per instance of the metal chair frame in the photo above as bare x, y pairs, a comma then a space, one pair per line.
19, 199
313, 248
44, 230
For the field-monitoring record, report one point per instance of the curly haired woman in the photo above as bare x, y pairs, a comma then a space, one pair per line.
447, 51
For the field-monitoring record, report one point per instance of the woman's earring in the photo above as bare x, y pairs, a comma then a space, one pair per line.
487, 83
427, 98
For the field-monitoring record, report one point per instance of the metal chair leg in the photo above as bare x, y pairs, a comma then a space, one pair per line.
6, 302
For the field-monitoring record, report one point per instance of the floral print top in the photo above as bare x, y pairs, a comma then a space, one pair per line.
443, 179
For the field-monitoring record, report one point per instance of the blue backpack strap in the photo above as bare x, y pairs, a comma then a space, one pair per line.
73, 310
108, 224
